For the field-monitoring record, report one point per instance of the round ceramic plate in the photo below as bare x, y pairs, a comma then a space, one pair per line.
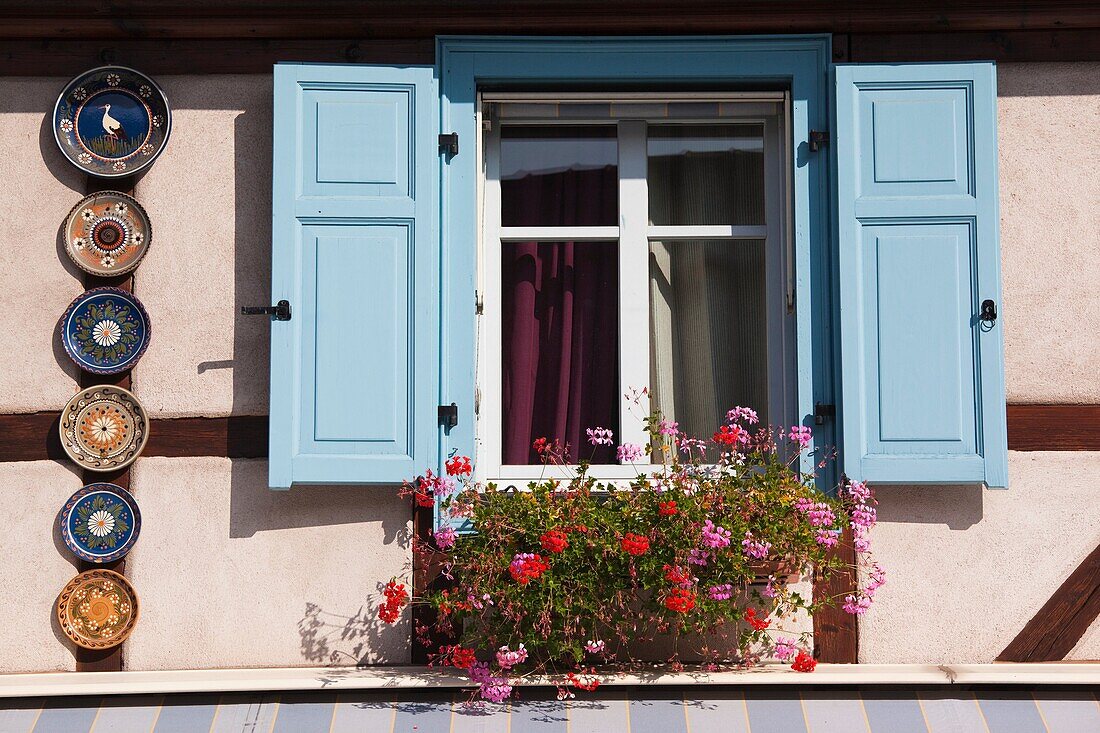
105, 331
97, 609
107, 233
104, 428
100, 522
111, 121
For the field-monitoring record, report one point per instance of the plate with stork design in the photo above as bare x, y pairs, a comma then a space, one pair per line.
112, 121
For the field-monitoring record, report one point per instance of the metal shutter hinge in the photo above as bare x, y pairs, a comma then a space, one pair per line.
823, 411
448, 144
448, 416
817, 139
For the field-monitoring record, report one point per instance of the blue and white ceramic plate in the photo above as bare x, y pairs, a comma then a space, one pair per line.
105, 331
100, 522
111, 121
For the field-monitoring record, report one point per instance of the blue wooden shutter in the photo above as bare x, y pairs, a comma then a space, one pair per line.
355, 372
922, 376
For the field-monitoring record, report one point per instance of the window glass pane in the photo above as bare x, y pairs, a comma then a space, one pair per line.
706, 175
560, 344
559, 176
708, 332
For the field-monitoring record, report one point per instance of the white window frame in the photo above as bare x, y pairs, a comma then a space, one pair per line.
633, 235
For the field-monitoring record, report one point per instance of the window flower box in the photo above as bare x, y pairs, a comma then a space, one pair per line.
570, 576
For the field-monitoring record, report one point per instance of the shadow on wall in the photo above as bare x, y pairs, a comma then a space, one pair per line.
959, 507
1069, 79
256, 508
331, 638
252, 148
251, 98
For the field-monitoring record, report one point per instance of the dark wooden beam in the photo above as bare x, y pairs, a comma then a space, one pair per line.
67, 57
242, 436
33, 436
259, 19
836, 632
1053, 427
1001, 45
1063, 620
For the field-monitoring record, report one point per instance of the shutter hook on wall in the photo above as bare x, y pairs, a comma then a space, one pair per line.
988, 314
280, 311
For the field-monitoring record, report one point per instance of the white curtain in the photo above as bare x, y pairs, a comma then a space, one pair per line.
707, 297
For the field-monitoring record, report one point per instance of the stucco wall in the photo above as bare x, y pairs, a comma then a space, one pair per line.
37, 280
36, 566
1049, 122
209, 199
967, 568
231, 574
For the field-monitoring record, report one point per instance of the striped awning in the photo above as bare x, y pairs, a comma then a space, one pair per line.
632, 710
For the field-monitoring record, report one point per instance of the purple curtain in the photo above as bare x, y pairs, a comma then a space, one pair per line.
560, 331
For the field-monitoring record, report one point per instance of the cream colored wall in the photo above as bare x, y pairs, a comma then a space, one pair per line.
1049, 125
36, 566
209, 199
968, 568
37, 280
232, 575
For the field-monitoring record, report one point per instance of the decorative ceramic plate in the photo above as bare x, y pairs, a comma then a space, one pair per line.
100, 522
105, 331
111, 121
107, 233
104, 428
98, 609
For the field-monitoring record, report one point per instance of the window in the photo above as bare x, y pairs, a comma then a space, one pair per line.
882, 252
629, 242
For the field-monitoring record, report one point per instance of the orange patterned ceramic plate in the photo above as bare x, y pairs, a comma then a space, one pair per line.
97, 609
104, 428
107, 233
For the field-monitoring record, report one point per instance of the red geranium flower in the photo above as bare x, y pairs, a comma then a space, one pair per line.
667, 508
635, 544
526, 567
680, 600
587, 681
396, 599
757, 623
459, 466
462, 657
541, 445
554, 541
421, 491
804, 662
730, 435
676, 575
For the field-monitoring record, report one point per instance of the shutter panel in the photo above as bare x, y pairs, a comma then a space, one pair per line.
922, 375
355, 372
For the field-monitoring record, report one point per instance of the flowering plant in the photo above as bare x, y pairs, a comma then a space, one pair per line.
698, 549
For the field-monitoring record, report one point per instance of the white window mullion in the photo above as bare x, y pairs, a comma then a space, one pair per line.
780, 310
723, 231
633, 277
490, 413
557, 234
